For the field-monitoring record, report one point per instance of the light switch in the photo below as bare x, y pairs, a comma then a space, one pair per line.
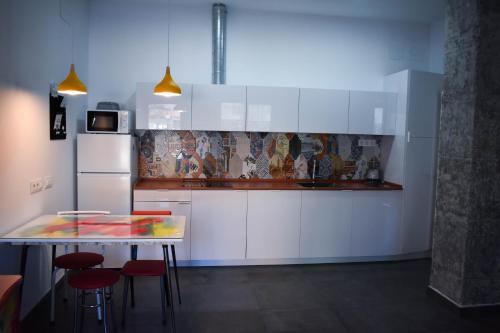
49, 182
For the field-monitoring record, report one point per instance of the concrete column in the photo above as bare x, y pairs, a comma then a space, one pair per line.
466, 235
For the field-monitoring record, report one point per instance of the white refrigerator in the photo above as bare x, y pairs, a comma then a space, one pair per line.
106, 171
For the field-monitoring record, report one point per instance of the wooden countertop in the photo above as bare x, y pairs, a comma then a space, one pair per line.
258, 184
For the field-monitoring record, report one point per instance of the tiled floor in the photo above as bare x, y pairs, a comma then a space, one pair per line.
377, 297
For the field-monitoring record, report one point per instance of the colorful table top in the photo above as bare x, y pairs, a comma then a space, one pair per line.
123, 229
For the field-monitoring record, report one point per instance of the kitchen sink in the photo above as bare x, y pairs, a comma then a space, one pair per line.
317, 184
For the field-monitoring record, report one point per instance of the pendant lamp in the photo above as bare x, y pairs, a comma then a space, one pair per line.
71, 85
167, 86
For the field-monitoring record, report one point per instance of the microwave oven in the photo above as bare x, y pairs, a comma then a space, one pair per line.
108, 121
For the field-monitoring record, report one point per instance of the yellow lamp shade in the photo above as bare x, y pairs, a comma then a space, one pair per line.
72, 84
167, 87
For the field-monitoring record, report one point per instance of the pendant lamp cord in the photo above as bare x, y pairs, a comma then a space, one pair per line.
72, 32
168, 33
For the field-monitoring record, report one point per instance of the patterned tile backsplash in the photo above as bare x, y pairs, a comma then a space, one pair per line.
200, 154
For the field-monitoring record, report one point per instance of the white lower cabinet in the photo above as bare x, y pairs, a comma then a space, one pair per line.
182, 208
325, 224
218, 225
376, 223
273, 229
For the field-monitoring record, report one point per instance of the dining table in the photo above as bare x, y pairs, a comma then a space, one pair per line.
108, 230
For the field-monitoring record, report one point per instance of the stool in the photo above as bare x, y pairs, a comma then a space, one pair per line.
71, 261
144, 268
97, 279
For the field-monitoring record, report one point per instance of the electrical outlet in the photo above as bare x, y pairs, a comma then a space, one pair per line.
49, 182
36, 185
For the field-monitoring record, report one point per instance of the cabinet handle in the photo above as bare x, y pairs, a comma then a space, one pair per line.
184, 202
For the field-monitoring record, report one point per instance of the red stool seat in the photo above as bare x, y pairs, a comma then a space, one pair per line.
144, 268
94, 278
78, 260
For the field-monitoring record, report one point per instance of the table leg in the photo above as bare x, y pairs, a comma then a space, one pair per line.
22, 268
169, 283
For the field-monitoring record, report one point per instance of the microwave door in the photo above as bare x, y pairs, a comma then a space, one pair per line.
102, 122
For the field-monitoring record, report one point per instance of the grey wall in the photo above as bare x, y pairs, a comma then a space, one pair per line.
466, 246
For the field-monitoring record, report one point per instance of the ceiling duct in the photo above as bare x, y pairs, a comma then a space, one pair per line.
219, 15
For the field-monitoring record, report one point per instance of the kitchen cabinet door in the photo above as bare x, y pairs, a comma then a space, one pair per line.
323, 111
272, 109
372, 112
325, 224
219, 107
218, 225
376, 223
273, 224
162, 113
182, 208
419, 194
424, 104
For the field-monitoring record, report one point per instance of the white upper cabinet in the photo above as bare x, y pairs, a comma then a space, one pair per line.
423, 106
272, 109
323, 111
372, 112
219, 107
163, 113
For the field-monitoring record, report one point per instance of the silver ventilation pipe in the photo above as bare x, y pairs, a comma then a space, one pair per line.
219, 14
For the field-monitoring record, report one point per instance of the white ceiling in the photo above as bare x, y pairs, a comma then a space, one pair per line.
401, 10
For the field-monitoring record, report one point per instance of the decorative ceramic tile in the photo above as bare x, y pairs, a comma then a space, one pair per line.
332, 145
276, 167
201, 154
361, 168
210, 166
235, 166
202, 144
262, 167
318, 146
356, 150
349, 169
167, 166
282, 146
195, 165
242, 145
294, 146
269, 145
344, 142
182, 165
338, 166
215, 140
249, 167
325, 169
300, 166
188, 143
289, 167
307, 146
256, 144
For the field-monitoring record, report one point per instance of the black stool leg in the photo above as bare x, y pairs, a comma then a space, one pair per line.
174, 259
82, 310
104, 312
110, 300
125, 296
163, 296
169, 283
133, 254
132, 296
75, 313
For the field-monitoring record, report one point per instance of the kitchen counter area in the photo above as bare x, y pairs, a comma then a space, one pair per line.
251, 184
